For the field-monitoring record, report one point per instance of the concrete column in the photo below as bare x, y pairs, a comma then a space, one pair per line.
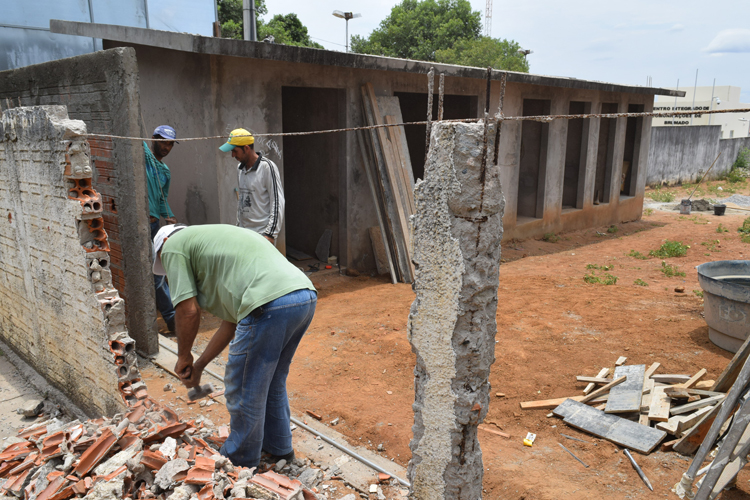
457, 231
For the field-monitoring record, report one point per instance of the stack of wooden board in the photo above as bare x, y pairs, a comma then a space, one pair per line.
385, 157
636, 398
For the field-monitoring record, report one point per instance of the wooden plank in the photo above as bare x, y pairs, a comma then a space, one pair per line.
618, 430
407, 179
392, 106
692, 439
651, 369
707, 385
378, 250
369, 94
620, 361
643, 419
407, 195
689, 421
645, 403
671, 378
593, 380
602, 373
626, 397
548, 404
648, 385
379, 206
730, 373
659, 409
678, 410
493, 431
694, 379
604, 389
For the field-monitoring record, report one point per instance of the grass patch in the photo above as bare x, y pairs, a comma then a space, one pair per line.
648, 211
670, 249
637, 255
744, 231
721, 229
711, 245
640, 282
662, 196
551, 237
670, 271
600, 268
604, 279
698, 293
612, 229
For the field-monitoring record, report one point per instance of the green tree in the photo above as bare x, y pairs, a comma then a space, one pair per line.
418, 29
484, 52
287, 30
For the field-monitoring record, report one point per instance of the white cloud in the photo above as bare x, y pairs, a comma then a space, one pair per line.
677, 27
731, 40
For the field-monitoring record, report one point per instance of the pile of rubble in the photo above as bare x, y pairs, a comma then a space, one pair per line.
145, 453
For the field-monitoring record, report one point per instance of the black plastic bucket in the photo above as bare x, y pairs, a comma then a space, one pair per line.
719, 209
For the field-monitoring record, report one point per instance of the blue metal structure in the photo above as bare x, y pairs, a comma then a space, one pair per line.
25, 37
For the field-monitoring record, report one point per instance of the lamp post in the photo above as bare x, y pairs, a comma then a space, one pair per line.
347, 16
525, 52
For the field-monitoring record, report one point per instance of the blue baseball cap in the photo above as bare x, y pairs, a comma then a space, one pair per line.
165, 132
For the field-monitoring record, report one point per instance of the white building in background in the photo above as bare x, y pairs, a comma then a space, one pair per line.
706, 98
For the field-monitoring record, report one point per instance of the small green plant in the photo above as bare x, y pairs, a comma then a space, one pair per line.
637, 255
743, 160
711, 245
601, 268
744, 231
612, 229
670, 271
640, 282
721, 229
551, 237
662, 196
698, 293
648, 211
670, 249
604, 279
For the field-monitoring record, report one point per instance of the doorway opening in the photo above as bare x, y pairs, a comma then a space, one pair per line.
576, 155
605, 154
413, 109
533, 161
312, 166
633, 133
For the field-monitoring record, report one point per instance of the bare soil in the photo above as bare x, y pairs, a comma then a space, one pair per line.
356, 363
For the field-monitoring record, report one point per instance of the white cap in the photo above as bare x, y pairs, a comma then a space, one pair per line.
161, 236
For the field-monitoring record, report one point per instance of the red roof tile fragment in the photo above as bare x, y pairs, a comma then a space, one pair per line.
95, 453
52, 488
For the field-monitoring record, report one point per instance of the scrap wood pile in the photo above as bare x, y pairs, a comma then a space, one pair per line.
385, 156
145, 453
637, 408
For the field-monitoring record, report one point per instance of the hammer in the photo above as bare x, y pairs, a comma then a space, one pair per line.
200, 391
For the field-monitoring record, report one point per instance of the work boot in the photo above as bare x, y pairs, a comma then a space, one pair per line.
272, 459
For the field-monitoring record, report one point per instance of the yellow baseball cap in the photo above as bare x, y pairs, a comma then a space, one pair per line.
237, 137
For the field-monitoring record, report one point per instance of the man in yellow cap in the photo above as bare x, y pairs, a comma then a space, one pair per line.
261, 197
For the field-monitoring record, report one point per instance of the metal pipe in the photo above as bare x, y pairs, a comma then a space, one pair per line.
322, 436
638, 470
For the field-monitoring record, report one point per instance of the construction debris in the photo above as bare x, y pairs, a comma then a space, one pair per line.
146, 453
649, 407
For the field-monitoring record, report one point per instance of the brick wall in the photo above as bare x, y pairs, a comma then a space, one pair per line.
101, 89
58, 307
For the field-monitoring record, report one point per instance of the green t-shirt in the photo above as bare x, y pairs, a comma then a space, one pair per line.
229, 269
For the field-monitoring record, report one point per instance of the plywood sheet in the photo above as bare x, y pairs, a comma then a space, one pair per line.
618, 430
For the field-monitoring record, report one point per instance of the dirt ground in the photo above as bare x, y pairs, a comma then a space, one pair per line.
356, 363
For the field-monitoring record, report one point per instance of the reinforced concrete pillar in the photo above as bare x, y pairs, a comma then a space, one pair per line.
458, 226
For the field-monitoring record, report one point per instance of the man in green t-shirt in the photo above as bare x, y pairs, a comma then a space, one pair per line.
266, 305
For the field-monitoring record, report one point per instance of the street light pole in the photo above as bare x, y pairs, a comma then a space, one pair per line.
346, 16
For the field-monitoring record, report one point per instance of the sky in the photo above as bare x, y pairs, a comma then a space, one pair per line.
617, 42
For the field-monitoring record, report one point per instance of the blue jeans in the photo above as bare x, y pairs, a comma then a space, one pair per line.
255, 377
163, 299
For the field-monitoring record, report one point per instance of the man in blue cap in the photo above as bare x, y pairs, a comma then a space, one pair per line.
157, 179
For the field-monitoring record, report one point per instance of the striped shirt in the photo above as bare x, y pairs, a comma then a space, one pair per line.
261, 198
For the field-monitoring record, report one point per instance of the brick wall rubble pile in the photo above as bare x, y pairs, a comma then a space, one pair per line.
58, 308
458, 226
146, 453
